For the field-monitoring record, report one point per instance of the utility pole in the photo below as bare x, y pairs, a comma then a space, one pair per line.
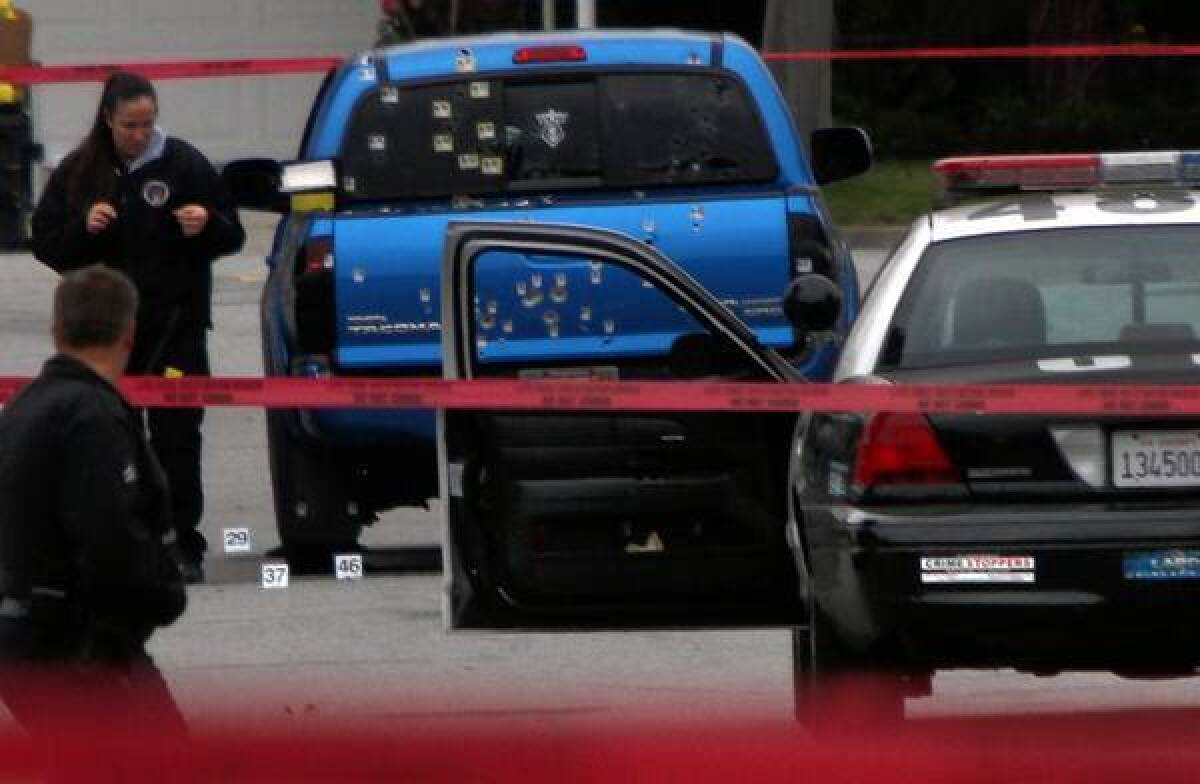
585, 14
549, 8
808, 87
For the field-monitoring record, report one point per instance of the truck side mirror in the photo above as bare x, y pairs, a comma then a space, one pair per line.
254, 183
812, 303
839, 153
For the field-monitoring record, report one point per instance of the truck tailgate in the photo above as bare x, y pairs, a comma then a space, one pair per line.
387, 278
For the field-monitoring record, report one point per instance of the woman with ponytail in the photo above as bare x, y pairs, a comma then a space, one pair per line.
152, 206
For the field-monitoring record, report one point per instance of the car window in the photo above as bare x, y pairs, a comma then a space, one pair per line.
1050, 293
560, 132
561, 316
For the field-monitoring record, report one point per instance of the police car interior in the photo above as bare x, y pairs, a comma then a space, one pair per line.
1043, 542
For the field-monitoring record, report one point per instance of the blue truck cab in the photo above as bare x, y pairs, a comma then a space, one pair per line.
680, 140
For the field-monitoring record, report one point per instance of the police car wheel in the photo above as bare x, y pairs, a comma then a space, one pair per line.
837, 689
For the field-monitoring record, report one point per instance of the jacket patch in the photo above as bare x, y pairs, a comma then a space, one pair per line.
156, 192
130, 474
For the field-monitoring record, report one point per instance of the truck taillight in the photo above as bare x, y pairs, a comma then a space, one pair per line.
314, 306
316, 255
808, 247
900, 448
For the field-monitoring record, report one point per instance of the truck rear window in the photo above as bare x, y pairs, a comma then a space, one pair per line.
493, 135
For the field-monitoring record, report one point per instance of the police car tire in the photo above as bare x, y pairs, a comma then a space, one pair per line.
305, 473
834, 689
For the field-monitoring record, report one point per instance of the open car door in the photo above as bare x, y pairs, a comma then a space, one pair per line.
614, 519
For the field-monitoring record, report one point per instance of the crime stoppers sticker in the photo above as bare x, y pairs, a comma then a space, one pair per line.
977, 569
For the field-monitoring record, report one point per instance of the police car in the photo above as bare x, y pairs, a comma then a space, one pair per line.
1043, 542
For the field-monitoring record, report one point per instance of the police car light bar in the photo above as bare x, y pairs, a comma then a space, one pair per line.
1069, 171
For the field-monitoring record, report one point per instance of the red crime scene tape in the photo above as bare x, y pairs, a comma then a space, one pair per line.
540, 395
200, 69
182, 69
990, 52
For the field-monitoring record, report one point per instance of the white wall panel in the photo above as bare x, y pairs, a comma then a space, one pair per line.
226, 118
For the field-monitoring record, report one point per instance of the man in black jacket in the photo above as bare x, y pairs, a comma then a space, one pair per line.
152, 206
85, 574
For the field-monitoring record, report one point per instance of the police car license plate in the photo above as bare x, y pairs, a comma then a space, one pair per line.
1156, 458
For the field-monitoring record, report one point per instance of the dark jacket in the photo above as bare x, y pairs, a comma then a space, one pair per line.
146, 242
83, 503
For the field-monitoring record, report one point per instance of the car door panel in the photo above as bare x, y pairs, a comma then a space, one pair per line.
608, 519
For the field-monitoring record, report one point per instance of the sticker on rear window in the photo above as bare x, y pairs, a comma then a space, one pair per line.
552, 126
959, 569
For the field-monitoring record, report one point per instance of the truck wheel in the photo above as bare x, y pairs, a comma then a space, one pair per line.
837, 690
315, 513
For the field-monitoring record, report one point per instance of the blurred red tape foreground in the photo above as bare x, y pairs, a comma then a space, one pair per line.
543, 395
1154, 747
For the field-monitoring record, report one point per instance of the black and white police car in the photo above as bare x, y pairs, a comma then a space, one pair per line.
1036, 541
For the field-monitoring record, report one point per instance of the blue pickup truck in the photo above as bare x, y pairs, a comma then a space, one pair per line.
679, 140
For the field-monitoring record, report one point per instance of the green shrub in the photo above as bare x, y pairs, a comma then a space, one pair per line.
894, 192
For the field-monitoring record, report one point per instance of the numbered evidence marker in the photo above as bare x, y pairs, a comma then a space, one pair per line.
237, 540
274, 575
348, 567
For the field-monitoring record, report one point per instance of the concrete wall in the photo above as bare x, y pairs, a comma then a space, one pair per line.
227, 117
